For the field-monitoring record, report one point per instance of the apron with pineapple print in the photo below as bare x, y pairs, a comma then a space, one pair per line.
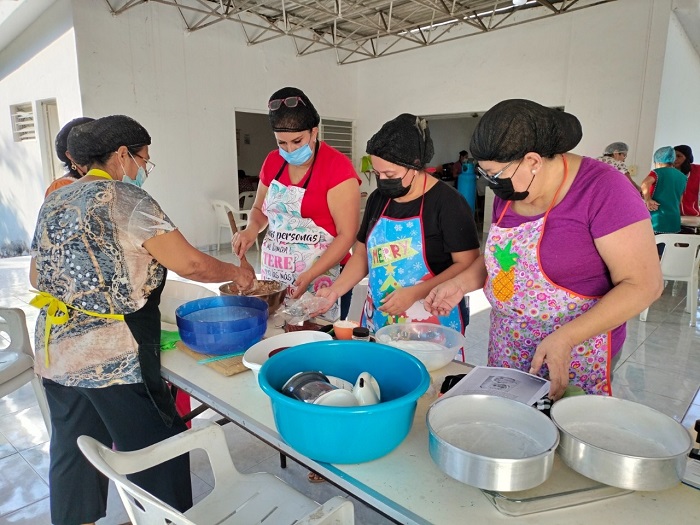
396, 259
527, 306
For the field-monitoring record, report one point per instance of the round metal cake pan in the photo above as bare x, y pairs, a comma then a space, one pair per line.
620, 442
490, 442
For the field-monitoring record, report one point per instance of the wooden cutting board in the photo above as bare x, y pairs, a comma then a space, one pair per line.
226, 367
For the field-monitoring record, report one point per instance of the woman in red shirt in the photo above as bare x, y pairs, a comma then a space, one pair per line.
309, 197
691, 195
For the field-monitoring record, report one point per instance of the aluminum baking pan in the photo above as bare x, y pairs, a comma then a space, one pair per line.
490, 442
621, 443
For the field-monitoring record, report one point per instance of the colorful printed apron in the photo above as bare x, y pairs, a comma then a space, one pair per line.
527, 306
396, 259
292, 243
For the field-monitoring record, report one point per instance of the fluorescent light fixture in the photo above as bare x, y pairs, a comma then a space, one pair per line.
519, 2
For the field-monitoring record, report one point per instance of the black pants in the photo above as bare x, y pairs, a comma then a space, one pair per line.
124, 415
345, 300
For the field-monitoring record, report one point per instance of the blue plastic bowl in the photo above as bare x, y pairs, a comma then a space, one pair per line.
346, 434
222, 325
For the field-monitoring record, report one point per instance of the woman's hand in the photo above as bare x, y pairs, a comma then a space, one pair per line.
242, 241
326, 293
398, 301
301, 284
652, 205
556, 352
244, 279
444, 297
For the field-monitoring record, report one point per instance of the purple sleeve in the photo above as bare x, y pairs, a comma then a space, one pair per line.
611, 200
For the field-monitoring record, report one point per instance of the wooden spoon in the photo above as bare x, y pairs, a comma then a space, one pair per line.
244, 261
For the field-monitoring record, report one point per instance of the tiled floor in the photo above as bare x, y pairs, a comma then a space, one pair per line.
660, 367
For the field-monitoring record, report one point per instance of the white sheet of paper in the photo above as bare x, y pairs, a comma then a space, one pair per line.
503, 382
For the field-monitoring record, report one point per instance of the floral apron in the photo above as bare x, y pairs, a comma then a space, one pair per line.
293, 243
396, 258
527, 306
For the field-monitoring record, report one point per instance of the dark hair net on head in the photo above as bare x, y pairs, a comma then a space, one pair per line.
91, 141
513, 128
62, 138
404, 141
688, 154
299, 118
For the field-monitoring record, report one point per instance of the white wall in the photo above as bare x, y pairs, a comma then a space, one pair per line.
185, 89
38, 65
679, 103
602, 64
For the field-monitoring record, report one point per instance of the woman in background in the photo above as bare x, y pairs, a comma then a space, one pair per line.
662, 190
691, 195
73, 170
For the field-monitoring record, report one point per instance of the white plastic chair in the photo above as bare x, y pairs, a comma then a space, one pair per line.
236, 498
176, 293
680, 262
240, 217
246, 200
17, 360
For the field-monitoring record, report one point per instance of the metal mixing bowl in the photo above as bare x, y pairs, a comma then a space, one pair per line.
273, 299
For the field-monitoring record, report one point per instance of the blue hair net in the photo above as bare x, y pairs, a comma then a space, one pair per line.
665, 155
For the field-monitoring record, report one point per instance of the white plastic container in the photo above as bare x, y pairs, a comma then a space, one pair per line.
257, 354
433, 344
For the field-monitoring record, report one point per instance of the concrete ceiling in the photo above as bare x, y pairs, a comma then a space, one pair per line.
359, 30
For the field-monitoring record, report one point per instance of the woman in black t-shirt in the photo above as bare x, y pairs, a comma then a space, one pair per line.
416, 232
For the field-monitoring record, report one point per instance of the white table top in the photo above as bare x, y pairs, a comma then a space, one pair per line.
405, 484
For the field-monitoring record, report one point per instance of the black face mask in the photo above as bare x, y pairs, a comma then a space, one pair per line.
503, 188
393, 188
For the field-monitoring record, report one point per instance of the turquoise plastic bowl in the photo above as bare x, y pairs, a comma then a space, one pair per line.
346, 434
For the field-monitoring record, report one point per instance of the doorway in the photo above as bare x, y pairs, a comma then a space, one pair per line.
48, 113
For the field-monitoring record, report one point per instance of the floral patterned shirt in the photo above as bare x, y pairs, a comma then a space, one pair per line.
617, 164
88, 247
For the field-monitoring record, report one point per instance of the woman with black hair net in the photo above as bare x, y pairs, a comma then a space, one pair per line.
416, 232
100, 254
691, 195
569, 258
73, 170
309, 197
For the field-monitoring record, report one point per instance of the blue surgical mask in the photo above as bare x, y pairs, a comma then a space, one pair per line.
140, 178
297, 157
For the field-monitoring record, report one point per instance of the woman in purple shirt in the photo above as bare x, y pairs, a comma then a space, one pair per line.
569, 258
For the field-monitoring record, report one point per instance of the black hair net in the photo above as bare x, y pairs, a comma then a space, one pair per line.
404, 141
62, 138
299, 118
688, 153
95, 139
515, 127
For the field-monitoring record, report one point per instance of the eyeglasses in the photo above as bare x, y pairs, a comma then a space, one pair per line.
377, 174
290, 102
492, 178
149, 164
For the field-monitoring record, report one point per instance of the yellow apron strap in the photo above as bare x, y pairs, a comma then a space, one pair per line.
57, 314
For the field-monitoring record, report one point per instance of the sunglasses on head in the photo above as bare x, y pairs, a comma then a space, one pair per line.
290, 102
